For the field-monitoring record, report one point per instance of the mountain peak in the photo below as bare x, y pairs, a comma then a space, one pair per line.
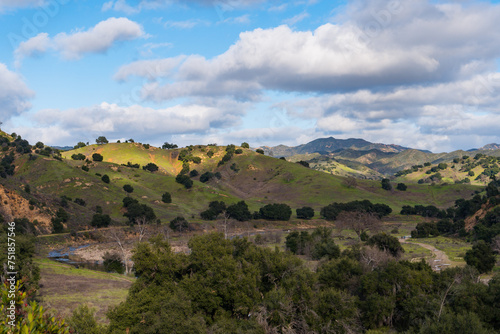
492, 146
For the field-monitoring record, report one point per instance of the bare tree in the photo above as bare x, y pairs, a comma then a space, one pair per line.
117, 235
358, 221
224, 222
141, 227
372, 257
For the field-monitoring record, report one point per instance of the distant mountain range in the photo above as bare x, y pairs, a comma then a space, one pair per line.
333, 145
330, 145
386, 159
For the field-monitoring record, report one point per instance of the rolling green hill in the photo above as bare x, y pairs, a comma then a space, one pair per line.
249, 176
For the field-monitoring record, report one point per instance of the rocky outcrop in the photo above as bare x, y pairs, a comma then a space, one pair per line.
13, 205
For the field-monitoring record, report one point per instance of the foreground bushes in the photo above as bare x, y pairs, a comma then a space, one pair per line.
233, 286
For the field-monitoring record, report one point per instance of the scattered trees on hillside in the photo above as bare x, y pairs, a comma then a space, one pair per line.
230, 149
105, 178
245, 145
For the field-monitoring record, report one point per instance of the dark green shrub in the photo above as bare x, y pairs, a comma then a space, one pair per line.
97, 157
166, 198
105, 178
305, 212
128, 188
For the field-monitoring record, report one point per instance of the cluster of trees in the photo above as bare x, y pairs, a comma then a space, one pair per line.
78, 156
131, 165
424, 211
239, 211
452, 220
316, 245
186, 155
136, 211
207, 176
413, 169
230, 150
486, 232
20, 146
233, 286
275, 211
386, 185
332, 211
184, 180
169, 146
7, 166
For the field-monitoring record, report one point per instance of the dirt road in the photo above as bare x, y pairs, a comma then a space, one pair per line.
440, 260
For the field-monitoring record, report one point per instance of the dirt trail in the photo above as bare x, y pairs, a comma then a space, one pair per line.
440, 260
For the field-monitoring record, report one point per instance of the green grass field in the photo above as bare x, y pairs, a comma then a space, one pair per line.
63, 288
453, 247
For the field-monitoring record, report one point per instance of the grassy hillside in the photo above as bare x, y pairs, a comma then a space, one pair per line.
465, 169
248, 176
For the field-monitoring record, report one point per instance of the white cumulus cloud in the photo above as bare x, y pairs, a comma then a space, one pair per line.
74, 45
14, 94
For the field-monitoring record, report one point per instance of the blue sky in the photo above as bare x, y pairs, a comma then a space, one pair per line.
417, 73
